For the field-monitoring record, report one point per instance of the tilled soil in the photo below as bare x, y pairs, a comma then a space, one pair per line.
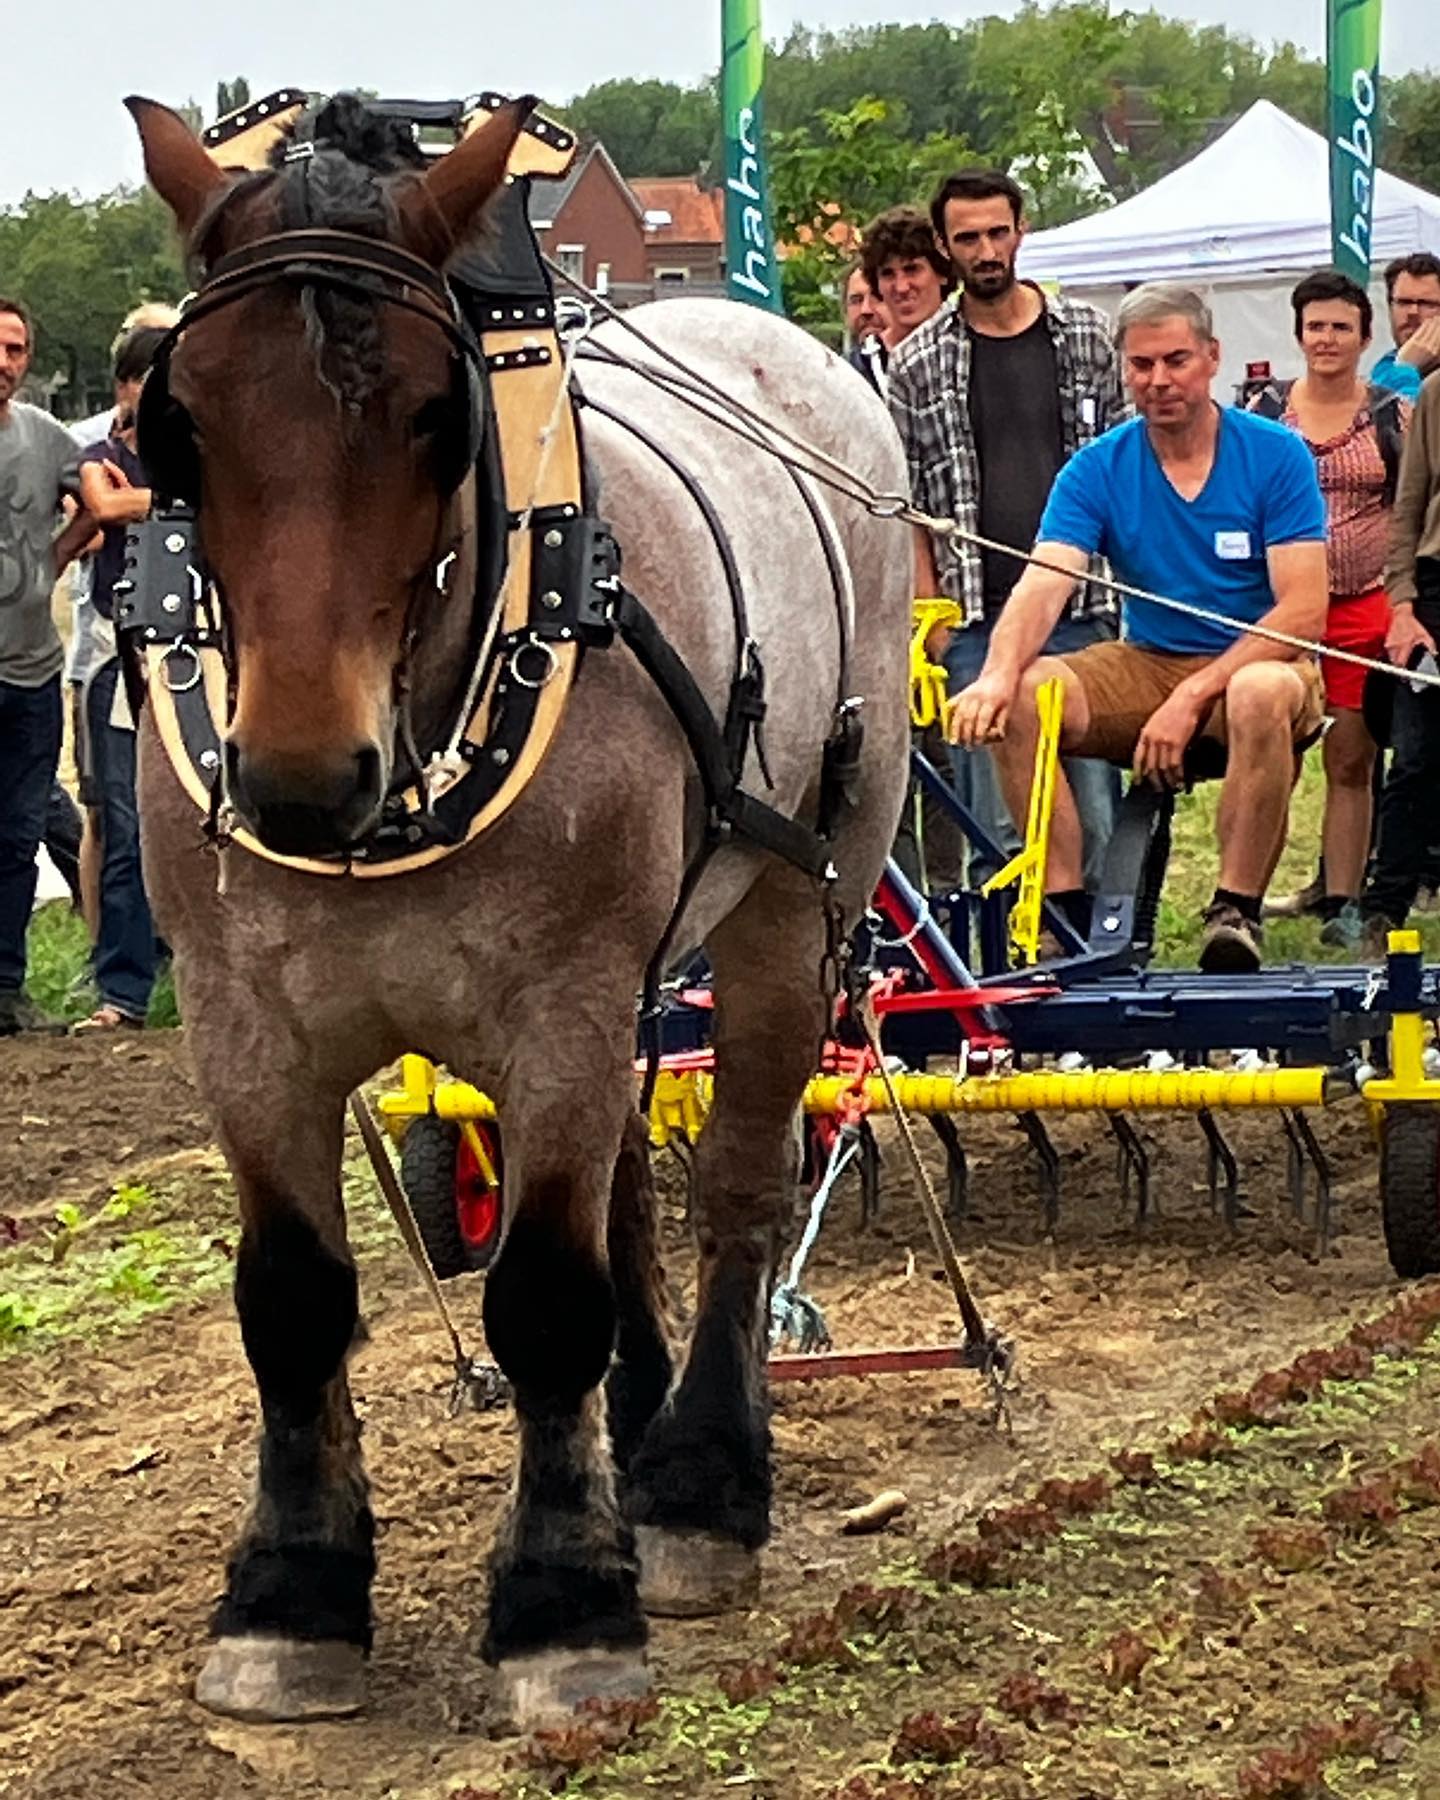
126, 1461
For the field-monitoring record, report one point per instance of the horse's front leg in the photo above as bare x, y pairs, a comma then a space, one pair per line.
565, 1623
699, 1488
293, 1629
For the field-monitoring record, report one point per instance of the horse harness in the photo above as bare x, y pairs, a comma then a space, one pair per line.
558, 592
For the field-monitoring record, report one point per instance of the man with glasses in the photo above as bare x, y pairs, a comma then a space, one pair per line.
1412, 286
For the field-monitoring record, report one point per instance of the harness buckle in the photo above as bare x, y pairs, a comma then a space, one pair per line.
549, 665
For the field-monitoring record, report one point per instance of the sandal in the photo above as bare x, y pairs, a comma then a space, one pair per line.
107, 1018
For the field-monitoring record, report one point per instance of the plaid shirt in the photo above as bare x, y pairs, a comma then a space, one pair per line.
929, 384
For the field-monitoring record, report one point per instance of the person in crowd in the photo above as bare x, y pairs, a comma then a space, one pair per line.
91, 640
1217, 509
1412, 287
1410, 803
991, 397
867, 324
37, 467
905, 267
1355, 430
115, 492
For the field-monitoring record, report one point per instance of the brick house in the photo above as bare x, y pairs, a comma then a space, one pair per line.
684, 232
591, 224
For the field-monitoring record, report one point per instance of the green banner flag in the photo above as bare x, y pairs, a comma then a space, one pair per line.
1353, 38
753, 273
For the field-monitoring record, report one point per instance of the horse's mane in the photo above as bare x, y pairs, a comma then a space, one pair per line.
344, 184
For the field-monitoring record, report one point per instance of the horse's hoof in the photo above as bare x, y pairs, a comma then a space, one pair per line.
693, 1574
280, 1680
545, 1687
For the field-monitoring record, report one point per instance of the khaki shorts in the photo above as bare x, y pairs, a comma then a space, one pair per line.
1123, 685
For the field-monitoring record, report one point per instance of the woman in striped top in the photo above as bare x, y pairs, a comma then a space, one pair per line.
1354, 431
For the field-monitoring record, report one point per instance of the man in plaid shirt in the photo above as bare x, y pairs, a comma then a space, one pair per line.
991, 397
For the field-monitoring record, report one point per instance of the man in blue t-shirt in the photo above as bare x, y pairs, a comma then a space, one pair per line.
1218, 509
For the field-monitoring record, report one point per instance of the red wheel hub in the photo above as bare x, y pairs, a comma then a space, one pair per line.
477, 1203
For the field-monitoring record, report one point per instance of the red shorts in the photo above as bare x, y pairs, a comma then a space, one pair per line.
1358, 622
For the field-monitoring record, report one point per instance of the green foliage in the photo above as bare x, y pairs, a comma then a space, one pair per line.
1410, 146
824, 191
80, 266
652, 127
230, 96
1033, 93
58, 970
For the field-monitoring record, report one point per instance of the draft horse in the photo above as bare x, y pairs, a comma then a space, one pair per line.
325, 435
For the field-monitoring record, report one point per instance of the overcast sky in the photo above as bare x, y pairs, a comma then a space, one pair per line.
61, 124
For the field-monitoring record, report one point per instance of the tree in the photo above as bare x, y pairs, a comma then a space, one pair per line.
230, 96
80, 266
651, 127
823, 195
1410, 144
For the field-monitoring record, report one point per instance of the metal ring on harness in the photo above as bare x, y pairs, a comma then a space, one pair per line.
196, 670
542, 649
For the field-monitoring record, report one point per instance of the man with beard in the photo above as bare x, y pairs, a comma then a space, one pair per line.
867, 324
991, 397
37, 466
1221, 510
1412, 288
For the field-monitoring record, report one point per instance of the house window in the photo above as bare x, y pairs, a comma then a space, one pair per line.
571, 258
672, 277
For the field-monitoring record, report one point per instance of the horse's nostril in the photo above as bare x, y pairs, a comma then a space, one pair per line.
369, 775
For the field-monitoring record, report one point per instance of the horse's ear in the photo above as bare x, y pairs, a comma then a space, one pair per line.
464, 179
181, 170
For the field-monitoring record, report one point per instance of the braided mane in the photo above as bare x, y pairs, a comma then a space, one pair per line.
345, 185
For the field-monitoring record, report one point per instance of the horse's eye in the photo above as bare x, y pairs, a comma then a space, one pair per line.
431, 417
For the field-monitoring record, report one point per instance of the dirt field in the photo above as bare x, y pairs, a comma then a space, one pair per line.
127, 1452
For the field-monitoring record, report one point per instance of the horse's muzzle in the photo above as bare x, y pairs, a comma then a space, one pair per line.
309, 807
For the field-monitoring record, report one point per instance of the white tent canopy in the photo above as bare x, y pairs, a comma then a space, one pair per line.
1241, 222
1255, 201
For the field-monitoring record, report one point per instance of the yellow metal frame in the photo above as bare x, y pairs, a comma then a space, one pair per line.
682, 1098
1028, 868
1407, 1079
928, 686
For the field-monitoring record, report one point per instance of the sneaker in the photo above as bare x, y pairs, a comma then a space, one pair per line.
17, 1014
1231, 945
1309, 899
1345, 930
107, 1018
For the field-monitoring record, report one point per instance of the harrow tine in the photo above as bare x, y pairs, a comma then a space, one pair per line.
1049, 1159
1219, 1156
869, 1162
1136, 1161
1295, 1162
957, 1167
1320, 1163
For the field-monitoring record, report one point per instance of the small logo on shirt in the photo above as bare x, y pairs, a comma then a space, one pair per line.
1232, 546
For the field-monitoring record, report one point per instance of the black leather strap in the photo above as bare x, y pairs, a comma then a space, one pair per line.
731, 808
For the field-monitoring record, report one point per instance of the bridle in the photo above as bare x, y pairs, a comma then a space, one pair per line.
361, 268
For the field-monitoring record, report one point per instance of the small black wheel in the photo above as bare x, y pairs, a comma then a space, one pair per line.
1410, 1187
456, 1209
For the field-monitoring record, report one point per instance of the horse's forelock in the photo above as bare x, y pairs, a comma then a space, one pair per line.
343, 185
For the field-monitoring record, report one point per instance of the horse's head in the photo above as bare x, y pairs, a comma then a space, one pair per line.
325, 426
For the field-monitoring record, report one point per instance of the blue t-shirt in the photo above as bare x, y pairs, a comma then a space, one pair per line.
1113, 499
1401, 378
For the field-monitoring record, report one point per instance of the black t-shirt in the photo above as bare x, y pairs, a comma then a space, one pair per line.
1015, 414
108, 564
